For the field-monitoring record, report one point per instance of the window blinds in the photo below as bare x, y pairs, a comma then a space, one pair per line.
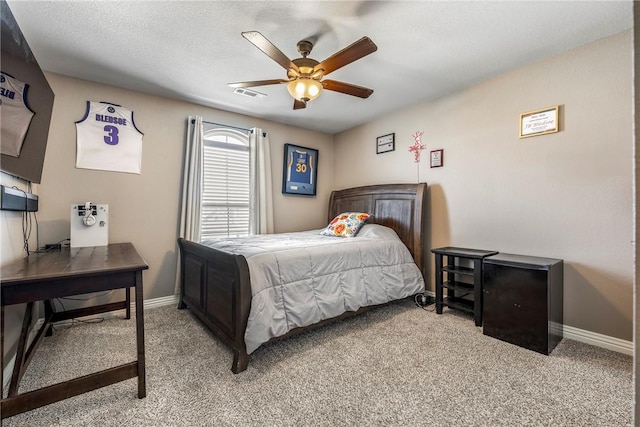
226, 188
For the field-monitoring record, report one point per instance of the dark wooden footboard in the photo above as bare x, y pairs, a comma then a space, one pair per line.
215, 286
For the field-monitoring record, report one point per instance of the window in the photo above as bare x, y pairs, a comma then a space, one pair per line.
226, 184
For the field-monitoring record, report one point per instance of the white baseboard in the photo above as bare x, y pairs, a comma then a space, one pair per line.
147, 304
588, 337
150, 303
598, 340
159, 302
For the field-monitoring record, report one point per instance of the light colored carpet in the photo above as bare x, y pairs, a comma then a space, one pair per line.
396, 365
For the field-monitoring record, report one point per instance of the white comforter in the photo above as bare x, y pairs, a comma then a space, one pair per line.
298, 279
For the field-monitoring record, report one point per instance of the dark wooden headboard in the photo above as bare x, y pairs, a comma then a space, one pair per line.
402, 207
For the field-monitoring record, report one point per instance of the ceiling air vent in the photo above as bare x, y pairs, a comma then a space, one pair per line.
248, 92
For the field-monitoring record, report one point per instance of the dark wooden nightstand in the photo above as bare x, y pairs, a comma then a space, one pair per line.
524, 300
462, 294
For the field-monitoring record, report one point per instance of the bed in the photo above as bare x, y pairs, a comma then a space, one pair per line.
215, 283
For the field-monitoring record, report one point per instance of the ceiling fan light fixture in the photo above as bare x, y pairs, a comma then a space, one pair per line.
305, 75
304, 89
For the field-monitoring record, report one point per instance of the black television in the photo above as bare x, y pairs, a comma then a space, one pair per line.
18, 61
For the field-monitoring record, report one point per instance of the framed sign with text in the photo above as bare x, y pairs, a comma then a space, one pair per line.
300, 172
539, 122
436, 158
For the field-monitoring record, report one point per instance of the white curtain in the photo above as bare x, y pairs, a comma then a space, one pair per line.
261, 188
191, 186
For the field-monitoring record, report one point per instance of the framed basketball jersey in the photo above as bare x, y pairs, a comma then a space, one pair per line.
108, 139
16, 114
300, 170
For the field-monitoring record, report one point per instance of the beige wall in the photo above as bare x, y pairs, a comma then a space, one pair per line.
144, 208
566, 195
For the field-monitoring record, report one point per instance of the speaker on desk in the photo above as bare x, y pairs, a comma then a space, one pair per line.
89, 225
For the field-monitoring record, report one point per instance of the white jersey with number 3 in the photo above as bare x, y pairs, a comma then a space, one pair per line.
108, 139
16, 114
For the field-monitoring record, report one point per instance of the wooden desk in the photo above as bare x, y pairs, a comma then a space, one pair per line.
63, 273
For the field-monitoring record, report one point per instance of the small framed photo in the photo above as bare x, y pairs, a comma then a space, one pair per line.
539, 122
385, 143
436, 158
300, 172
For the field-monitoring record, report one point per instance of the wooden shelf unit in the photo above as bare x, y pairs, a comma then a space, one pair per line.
461, 294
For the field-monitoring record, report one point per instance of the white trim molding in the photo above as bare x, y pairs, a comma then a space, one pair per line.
598, 340
587, 337
158, 302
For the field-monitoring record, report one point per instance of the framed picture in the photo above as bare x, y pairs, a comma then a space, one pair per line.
300, 172
539, 122
385, 143
436, 158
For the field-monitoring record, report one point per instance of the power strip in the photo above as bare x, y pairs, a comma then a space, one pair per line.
13, 199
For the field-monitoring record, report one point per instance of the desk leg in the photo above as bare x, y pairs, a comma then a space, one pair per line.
142, 388
127, 298
18, 367
48, 313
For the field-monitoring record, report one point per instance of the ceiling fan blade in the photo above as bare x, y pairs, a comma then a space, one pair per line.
257, 83
261, 42
349, 54
298, 105
349, 89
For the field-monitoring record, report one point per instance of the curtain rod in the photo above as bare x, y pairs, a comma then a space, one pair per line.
264, 134
220, 124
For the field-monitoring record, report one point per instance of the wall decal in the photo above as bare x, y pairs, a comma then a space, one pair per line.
417, 145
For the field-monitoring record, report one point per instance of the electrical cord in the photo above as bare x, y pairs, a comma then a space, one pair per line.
35, 217
27, 223
76, 320
54, 246
26, 231
423, 301
72, 322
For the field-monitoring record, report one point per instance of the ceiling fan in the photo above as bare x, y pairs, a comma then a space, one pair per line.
304, 75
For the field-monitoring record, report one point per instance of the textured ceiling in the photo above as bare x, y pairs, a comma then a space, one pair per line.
191, 50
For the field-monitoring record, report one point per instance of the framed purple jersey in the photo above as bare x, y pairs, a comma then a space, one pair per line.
300, 170
108, 139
